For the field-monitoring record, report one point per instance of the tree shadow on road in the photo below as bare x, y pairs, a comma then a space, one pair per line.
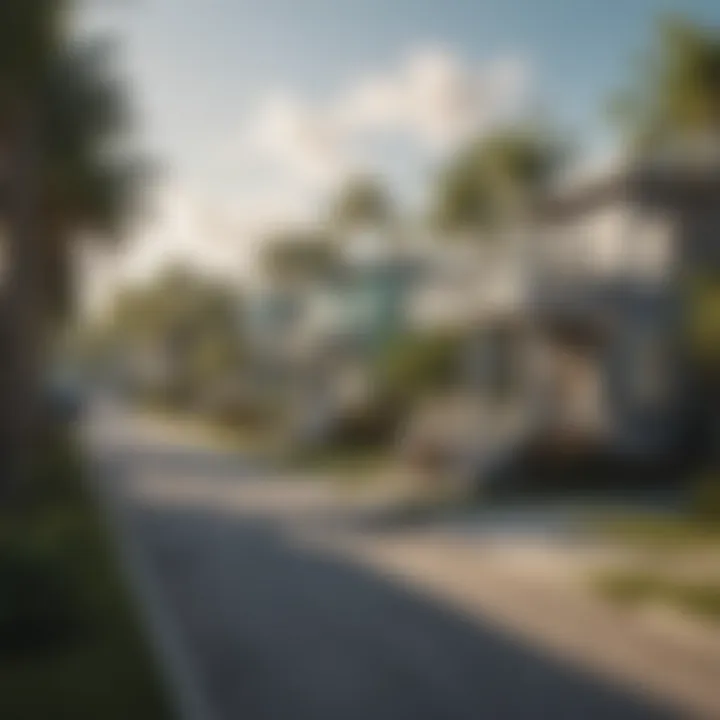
279, 629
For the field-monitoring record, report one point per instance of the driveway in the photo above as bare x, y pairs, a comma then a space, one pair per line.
263, 622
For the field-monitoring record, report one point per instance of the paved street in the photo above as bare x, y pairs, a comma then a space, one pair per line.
271, 626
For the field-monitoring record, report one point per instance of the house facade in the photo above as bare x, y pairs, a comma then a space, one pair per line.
605, 305
577, 342
574, 323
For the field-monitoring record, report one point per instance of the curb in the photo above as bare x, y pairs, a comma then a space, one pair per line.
178, 672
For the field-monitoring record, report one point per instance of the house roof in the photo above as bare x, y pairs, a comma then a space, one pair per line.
664, 182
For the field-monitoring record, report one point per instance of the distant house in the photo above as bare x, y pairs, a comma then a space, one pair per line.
574, 322
312, 342
604, 307
576, 329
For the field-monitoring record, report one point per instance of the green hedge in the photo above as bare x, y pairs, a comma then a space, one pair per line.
72, 646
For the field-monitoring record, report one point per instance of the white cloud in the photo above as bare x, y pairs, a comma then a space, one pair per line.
293, 136
435, 98
211, 236
292, 152
430, 97
182, 229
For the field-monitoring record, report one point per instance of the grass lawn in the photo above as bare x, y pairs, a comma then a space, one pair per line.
102, 668
344, 462
663, 532
224, 437
699, 598
670, 546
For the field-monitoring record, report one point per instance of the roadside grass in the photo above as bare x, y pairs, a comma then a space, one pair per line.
665, 532
675, 558
699, 598
348, 463
222, 436
100, 665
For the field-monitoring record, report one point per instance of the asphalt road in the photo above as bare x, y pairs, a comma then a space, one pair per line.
266, 627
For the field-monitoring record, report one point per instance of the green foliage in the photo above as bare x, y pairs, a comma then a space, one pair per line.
70, 638
631, 587
244, 413
371, 426
705, 500
676, 90
665, 533
417, 364
351, 462
40, 599
31, 35
493, 179
39, 603
190, 325
701, 598
703, 322
299, 256
627, 587
65, 91
62, 117
362, 203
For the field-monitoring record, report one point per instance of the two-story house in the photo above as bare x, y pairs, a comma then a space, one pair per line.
606, 303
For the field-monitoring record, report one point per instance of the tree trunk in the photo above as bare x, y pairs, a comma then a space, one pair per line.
22, 361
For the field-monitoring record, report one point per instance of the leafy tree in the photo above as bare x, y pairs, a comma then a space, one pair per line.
362, 204
86, 189
417, 364
673, 105
704, 323
702, 326
190, 325
494, 179
299, 256
59, 112
674, 96
29, 35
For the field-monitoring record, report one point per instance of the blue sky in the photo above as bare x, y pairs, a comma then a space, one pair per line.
209, 73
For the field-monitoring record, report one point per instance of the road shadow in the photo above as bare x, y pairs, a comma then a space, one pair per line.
280, 630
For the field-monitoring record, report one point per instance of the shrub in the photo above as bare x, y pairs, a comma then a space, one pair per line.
705, 500
627, 587
57, 473
418, 364
39, 608
703, 599
39, 597
636, 588
373, 425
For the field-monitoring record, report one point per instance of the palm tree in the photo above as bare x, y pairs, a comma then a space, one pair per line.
188, 324
85, 188
362, 204
58, 113
494, 180
673, 105
29, 36
299, 256
675, 94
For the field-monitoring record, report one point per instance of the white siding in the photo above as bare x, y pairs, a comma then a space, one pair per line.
614, 240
